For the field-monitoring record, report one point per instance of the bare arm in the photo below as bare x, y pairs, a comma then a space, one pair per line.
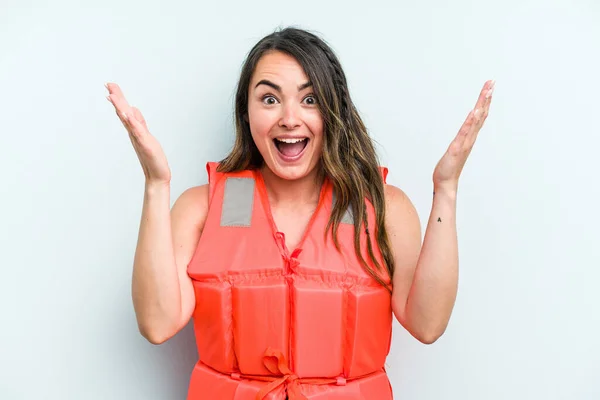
163, 295
162, 292
426, 278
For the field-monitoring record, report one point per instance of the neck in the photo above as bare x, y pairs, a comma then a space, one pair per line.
284, 193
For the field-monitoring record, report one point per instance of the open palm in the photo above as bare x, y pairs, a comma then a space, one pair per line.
450, 166
150, 153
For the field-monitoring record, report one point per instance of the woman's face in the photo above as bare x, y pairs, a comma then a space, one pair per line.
284, 118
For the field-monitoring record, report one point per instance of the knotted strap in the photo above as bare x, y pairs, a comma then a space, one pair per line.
276, 363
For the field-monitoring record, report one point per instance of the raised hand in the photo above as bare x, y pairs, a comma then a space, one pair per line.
150, 153
450, 166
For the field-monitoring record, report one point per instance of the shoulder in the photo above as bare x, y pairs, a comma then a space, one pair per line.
192, 205
397, 202
401, 217
194, 195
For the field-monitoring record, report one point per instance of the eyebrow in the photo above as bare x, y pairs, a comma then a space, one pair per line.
278, 88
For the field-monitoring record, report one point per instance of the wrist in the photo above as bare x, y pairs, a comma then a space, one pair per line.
152, 187
448, 190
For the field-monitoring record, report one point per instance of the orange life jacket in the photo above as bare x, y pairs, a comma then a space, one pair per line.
270, 322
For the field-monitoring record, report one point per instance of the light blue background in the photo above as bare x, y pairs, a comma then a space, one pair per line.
526, 322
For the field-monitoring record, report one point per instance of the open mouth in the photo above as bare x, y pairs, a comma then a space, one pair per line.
291, 149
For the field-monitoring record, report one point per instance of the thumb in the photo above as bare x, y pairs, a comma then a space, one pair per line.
138, 115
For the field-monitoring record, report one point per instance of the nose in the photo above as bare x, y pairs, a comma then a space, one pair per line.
290, 117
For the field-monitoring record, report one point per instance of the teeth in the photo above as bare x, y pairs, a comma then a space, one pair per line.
294, 140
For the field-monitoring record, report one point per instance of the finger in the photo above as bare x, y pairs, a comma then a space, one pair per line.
485, 109
124, 113
464, 130
488, 97
137, 127
477, 121
120, 113
115, 90
135, 136
136, 123
120, 104
124, 116
483, 114
118, 98
482, 95
119, 109
138, 116
126, 120
488, 94
138, 133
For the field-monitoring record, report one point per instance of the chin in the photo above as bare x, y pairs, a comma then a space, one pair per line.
292, 173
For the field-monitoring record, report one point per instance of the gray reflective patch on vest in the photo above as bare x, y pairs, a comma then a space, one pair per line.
238, 201
347, 218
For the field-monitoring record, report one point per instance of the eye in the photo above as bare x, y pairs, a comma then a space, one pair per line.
269, 100
311, 100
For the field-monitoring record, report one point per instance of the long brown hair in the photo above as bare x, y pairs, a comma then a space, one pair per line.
349, 158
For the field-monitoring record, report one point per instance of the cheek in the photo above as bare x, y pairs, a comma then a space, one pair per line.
260, 122
315, 124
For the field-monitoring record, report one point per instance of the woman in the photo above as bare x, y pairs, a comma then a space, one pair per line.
294, 257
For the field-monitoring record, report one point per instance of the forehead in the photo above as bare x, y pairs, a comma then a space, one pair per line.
280, 66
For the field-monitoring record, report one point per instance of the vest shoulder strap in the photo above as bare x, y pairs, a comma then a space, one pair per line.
235, 193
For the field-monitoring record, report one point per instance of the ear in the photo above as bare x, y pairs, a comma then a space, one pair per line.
246, 118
